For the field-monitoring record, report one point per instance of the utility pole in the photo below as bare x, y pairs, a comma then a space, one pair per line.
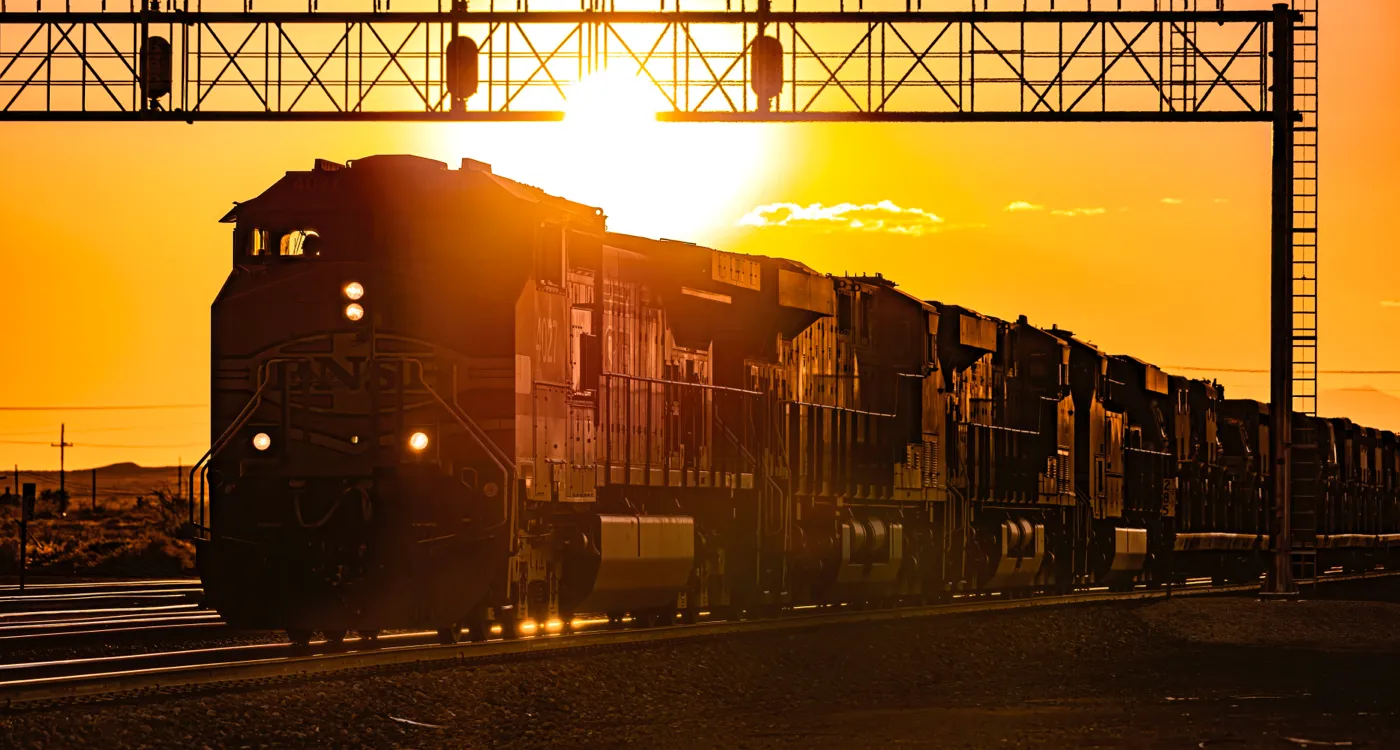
62, 445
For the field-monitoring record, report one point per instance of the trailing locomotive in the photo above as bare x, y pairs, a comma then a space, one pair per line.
445, 399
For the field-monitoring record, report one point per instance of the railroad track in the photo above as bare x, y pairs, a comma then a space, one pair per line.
62, 610
75, 679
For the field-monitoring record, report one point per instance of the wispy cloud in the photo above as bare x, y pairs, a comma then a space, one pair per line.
1079, 212
1173, 201
1023, 206
1027, 207
1389, 303
884, 216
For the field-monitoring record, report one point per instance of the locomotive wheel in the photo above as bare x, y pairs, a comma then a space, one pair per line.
449, 635
614, 619
478, 630
334, 637
299, 637
369, 637
510, 629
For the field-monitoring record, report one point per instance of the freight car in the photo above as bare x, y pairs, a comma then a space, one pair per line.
446, 399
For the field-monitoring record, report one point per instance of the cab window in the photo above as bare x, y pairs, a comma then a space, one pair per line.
299, 242
255, 242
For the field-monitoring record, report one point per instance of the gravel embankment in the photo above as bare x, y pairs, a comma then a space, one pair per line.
1182, 673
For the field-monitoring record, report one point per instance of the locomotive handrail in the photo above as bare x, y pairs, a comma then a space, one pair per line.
752, 461
702, 386
998, 428
1162, 454
203, 485
734, 439
845, 409
493, 451
243, 416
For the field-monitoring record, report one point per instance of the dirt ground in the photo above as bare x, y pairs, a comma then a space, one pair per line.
1189, 672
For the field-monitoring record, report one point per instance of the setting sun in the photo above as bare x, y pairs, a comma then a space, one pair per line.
685, 181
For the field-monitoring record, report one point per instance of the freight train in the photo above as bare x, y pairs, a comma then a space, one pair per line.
445, 399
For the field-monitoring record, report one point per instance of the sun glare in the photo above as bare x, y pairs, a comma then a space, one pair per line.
613, 102
684, 181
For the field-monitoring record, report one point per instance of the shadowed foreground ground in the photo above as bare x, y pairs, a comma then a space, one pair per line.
1218, 672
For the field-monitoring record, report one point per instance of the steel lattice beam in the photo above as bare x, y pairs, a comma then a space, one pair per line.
865, 65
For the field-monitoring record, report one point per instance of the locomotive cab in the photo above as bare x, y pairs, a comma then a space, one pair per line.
365, 448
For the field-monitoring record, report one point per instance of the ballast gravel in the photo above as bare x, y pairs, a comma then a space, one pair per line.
1180, 673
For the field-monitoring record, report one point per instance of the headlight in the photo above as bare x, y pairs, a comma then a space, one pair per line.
354, 290
418, 441
353, 311
262, 441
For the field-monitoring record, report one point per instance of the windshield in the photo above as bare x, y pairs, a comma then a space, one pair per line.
262, 243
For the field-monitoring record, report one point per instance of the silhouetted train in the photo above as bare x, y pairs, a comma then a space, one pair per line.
442, 398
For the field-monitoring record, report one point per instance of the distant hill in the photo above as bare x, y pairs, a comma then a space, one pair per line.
123, 467
1367, 406
125, 480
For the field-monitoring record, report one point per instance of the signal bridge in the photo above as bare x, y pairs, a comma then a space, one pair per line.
827, 60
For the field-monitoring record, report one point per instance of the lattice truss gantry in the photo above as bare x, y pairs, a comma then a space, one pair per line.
876, 60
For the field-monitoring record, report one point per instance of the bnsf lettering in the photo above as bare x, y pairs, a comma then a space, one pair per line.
351, 373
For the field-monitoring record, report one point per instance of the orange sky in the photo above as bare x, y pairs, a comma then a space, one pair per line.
112, 254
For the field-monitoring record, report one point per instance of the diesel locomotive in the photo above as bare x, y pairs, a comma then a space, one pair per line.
444, 399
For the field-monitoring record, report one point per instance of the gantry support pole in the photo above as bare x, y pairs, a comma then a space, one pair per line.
1279, 581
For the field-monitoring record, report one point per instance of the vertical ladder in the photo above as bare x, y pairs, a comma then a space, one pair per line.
1306, 458
1181, 57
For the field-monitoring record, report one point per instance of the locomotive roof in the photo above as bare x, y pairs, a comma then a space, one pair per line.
889, 285
406, 167
1258, 407
1068, 337
959, 309
638, 243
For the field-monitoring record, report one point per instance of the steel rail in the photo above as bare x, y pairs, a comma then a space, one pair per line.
22, 691
74, 610
56, 637
83, 597
119, 583
25, 630
78, 615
